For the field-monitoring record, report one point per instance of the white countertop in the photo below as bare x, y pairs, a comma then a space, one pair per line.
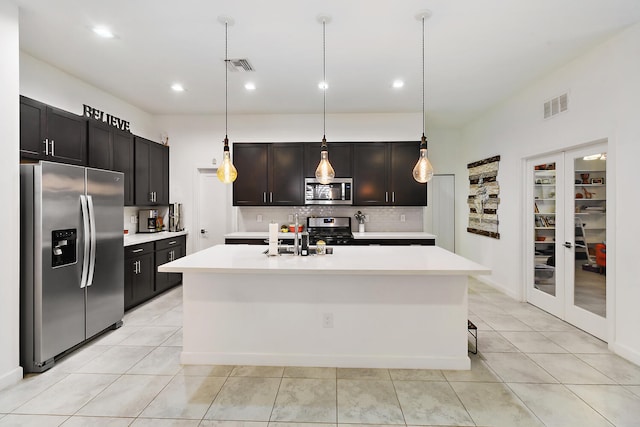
350, 260
365, 235
138, 238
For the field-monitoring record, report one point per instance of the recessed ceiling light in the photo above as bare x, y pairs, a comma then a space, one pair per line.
103, 32
397, 84
177, 87
250, 86
323, 85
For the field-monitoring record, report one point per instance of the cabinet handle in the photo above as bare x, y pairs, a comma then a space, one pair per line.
264, 197
155, 196
393, 197
151, 196
136, 267
270, 197
173, 242
386, 197
135, 251
46, 146
53, 146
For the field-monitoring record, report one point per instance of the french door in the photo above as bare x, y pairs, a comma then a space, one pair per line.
566, 238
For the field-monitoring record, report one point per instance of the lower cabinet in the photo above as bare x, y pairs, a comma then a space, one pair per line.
168, 250
138, 274
142, 280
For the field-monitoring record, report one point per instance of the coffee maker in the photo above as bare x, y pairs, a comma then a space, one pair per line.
175, 217
147, 220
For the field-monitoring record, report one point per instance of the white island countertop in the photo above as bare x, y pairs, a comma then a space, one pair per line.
350, 260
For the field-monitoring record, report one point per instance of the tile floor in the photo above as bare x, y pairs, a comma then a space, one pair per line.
532, 370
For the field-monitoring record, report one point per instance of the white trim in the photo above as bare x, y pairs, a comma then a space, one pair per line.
10, 378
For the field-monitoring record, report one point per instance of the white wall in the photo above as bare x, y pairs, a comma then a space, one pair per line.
603, 88
196, 140
46, 83
10, 371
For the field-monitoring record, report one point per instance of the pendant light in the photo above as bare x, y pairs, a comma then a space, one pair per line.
423, 171
227, 173
324, 171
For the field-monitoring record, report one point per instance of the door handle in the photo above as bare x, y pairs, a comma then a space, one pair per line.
567, 245
92, 224
203, 231
86, 235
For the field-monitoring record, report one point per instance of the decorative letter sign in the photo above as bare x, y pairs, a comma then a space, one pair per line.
483, 197
100, 116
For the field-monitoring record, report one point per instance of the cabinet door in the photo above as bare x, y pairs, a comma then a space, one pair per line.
250, 188
130, 271
369, 174
32, 128
143, 280
163, 280
123, 162
142, 195
100, 146
159, 173
68, 135
405, 191
340, 154
286, 178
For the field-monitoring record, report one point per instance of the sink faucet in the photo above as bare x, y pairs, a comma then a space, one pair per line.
296, 238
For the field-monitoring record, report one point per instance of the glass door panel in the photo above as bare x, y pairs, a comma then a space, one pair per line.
587, 263
545, 275
544, 212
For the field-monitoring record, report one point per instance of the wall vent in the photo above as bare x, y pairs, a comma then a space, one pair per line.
239, 65
556, 105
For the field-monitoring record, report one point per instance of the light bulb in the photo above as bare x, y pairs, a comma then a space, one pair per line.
423, 171
227, 173
324, 171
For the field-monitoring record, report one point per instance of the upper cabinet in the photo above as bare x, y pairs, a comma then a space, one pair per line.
151, 173
340, 154
48, 133
268, 174
112, 149
382, 174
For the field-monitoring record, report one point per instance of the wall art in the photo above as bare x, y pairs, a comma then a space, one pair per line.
483, 200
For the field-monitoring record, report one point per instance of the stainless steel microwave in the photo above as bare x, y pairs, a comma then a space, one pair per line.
338, 192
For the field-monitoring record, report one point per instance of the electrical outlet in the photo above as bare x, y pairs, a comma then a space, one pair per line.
134, 219
366, 218
327, 320
290, 219
259, 218
403, 218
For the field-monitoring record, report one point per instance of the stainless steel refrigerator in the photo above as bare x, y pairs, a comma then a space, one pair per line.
72, 258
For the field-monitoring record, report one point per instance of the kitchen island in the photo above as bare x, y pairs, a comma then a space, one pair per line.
369, 307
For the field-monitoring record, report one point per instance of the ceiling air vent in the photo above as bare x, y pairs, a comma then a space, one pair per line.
241, 64
556, 105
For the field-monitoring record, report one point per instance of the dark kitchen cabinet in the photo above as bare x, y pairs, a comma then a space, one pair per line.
168, 250
268, 174
340, 154
48, 133
382, 174
151, 162
138, 274
112, 149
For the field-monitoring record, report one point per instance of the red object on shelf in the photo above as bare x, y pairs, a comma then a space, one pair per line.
601, 254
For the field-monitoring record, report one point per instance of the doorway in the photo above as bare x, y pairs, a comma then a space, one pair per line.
567, 236
212, 205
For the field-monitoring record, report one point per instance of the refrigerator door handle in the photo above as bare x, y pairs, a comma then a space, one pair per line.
85, 257
92, 223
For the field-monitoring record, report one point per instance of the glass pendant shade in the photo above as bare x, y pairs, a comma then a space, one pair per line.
227, 173
423, 171
324, 171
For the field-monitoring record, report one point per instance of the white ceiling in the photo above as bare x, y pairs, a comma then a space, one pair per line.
477, 51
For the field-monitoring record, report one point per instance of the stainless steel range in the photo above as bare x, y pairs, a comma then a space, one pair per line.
333, 230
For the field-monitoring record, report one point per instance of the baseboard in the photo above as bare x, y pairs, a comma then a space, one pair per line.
497, 287
626, 352
10, 378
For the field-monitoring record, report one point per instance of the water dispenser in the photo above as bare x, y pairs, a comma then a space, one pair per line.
63, 247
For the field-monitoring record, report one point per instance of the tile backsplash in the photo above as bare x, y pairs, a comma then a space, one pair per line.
380, 218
